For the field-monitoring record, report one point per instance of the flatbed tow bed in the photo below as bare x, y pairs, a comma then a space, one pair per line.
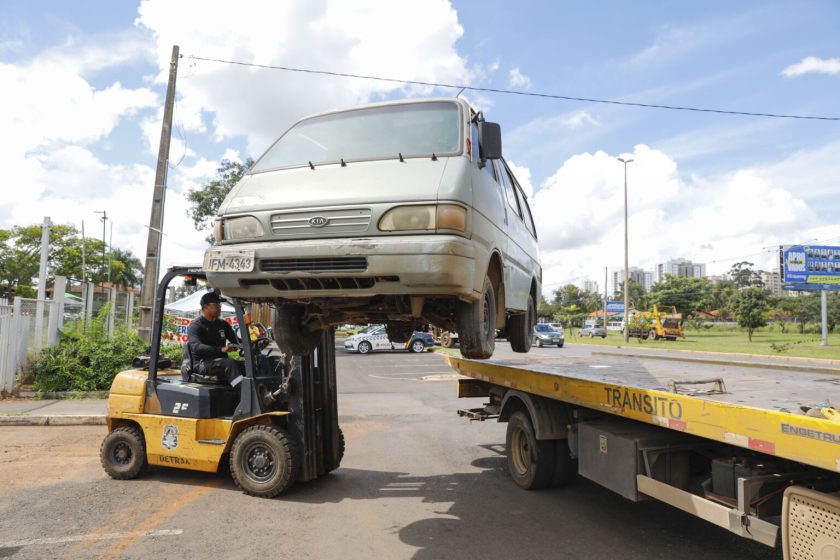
741, 425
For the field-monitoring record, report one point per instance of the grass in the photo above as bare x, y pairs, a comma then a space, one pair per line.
767, 341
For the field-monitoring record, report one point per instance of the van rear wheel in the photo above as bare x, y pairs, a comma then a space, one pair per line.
521, 328
477, 324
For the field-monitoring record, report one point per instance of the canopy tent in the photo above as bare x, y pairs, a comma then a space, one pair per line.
190, 306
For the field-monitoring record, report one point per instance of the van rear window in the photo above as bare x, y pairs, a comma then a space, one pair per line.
410, 129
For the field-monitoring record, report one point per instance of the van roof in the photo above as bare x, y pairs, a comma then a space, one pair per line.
457, 100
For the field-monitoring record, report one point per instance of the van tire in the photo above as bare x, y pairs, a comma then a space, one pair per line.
521, 328
477, 324
290, 334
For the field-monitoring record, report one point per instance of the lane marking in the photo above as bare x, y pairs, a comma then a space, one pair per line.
92, 537
162, 515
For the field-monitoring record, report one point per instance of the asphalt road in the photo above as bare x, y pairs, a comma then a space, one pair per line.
417, 481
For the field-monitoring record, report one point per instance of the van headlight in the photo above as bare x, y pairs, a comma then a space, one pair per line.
425, 218
246, 227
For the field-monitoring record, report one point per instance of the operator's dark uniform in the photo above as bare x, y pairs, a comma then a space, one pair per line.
206, 339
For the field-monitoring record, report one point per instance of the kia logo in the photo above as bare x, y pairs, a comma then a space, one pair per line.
318, 221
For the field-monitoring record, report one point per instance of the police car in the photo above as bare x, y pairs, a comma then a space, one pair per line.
374, 337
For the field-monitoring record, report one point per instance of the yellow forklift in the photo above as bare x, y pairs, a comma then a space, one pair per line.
276, 425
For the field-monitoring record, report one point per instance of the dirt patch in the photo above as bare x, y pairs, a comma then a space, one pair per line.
34, 456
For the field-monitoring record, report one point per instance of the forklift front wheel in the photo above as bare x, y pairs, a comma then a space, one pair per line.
264, 461
123, 453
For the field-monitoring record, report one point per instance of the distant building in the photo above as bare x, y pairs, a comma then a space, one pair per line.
773, 282
637, 275
589, 286
679, 267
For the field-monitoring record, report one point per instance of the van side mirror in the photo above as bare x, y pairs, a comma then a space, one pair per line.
489, 140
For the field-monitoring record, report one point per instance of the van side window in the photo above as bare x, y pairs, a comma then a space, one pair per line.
488, 166
507, 183
523, 202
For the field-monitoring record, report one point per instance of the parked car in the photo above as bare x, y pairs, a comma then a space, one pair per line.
545, 334
402, 213
592, 331
375, 337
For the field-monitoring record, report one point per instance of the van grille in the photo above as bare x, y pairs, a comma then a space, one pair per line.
340, 221
292, 284
314, 265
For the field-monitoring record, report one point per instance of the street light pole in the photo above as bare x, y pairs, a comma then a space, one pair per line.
626, 259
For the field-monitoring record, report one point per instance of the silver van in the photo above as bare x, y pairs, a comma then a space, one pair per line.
402, 213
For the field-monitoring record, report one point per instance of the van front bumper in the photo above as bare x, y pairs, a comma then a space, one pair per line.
427, 265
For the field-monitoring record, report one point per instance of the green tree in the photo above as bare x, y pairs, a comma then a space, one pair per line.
205, 201
637, 295
688, 295
751, 306
126, 269
743, 275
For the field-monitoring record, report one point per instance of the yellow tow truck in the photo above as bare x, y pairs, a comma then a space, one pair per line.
753, 449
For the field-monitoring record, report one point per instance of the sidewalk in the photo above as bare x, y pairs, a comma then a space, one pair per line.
64, 412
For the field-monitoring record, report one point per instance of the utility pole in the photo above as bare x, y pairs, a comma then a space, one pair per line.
605, 299
626, 258
42, 284
103, 219
152, 268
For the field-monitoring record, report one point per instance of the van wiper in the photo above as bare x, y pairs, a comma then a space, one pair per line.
312, 167
402, 160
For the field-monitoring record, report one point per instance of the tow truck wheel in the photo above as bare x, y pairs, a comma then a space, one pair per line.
264, 461
530, 461
364, 347
289, 333
123, 453
476, 324
565, 468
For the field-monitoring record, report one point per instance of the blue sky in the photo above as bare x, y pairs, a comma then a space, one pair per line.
86, 81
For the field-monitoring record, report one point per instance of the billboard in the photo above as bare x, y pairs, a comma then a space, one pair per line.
615, 307
810, 267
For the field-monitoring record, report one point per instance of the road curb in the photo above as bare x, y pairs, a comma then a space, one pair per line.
714, 361
55, 420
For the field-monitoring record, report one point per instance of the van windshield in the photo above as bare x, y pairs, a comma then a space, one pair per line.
411, 129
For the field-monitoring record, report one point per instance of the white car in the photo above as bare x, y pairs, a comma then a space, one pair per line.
375, 337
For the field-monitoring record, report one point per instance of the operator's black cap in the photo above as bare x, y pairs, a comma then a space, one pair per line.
211, 297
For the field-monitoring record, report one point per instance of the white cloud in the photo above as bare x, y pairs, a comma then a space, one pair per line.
813, 65
523, 175
580, 221
518, 79
407, 40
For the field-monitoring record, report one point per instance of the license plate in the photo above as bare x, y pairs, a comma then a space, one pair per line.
229, 261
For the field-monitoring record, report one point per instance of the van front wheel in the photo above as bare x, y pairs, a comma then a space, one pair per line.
477, 324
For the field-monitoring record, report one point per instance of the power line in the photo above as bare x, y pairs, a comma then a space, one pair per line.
462, 87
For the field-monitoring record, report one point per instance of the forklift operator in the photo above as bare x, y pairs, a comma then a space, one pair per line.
208, 337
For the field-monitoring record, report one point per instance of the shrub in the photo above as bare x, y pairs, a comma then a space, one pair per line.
86, 360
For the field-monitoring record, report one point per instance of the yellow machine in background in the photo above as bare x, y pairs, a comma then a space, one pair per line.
654, 325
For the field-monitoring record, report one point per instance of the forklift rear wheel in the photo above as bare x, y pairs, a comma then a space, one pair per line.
264, 461
123, 453
530, 461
